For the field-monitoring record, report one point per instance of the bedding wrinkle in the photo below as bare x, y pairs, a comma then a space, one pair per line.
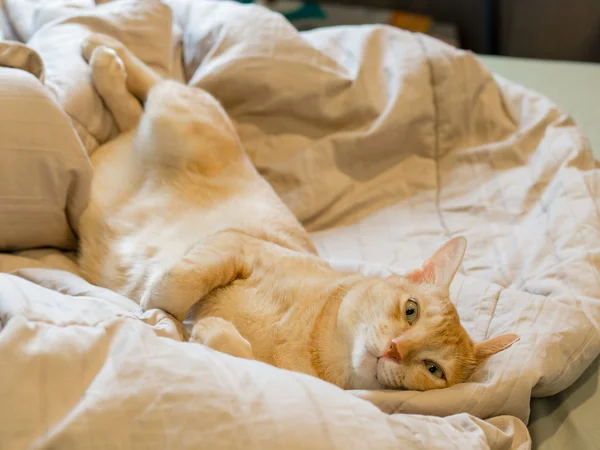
234, 386
583, 349
54, 415
577, 221
436, 144
576, 225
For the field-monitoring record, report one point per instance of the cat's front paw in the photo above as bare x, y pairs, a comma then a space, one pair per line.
95, 40
222, 336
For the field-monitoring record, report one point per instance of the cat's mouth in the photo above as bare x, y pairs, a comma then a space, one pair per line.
374, 352
381, 382
382, 365
376, 356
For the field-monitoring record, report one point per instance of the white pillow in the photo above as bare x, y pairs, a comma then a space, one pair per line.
45, 174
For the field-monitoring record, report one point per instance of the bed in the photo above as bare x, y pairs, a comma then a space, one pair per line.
384, 144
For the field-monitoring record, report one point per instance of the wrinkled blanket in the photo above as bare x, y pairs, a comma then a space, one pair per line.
384, 143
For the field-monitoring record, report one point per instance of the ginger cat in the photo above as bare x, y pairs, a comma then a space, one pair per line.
181, 220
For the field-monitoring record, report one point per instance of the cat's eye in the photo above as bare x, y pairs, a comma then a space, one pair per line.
411, 311
434, 369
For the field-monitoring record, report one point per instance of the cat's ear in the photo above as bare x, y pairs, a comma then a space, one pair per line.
485, 349
442, 266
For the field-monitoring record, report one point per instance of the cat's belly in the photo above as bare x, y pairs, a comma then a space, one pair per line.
140, 223
148, 242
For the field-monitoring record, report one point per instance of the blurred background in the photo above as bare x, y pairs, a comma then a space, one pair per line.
540, 29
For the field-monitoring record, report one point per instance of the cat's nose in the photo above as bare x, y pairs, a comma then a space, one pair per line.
398, 349
393, 352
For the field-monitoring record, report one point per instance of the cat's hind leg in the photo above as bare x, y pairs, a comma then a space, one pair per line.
221, 335
109, 78
140, 78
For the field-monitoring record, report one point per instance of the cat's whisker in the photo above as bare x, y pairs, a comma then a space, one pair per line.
372, 306
344, 287
341, 297
362, 315
367, 319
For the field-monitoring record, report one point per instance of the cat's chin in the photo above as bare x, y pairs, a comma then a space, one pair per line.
364, 368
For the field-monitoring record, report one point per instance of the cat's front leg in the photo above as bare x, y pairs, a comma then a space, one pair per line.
221, 335
217, 261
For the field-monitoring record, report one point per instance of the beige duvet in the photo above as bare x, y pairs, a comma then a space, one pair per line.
384, 144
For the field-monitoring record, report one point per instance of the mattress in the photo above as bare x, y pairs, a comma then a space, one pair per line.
384, 143
568, 419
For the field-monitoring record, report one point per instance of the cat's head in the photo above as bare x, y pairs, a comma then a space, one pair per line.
404, 333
